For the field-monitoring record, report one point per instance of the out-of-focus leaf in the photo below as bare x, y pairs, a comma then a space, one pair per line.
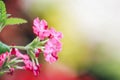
3, 15
13, 21
4, 48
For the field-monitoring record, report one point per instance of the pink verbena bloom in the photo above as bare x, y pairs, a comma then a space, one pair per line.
52, 47
29, 65
54, 34
40, 28
36, 69
50, 58
3, 57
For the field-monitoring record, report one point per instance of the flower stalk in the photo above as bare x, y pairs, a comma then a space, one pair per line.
18, 47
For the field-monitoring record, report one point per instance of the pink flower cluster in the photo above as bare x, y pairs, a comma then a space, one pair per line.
28, 64
46, 42
19, 57
53, 45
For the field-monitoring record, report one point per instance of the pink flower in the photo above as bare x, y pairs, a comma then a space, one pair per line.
3, 57
55, 34
29, 65
50, 58
40, 28
36, 69
52, 47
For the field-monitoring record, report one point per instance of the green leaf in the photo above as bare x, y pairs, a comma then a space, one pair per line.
4, 48
4, 20
3, 15
13, 21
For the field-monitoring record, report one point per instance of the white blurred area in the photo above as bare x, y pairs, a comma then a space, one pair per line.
97, 20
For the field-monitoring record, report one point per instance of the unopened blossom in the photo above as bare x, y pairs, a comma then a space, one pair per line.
18, 54
40, 28
11, 70
37, 52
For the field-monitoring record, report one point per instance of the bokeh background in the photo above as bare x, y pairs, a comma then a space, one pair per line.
91, 43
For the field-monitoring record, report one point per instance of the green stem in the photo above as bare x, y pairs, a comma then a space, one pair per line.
32, 43
18, 47
43, 42
36, 59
